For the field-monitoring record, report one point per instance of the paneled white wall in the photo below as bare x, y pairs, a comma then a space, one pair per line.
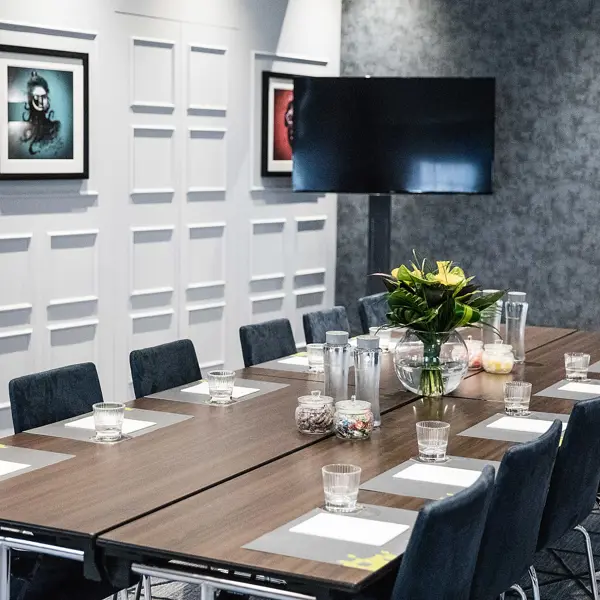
175, 234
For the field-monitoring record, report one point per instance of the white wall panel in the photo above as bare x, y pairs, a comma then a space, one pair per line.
175, 234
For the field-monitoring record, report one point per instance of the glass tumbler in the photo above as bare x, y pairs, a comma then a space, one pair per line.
340, 484
108, 421
314, 352
517, 395
432, 439
220, 386
576, 366
384, 335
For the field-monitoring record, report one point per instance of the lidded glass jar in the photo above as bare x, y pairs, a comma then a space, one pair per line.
475, 348
353, 419
498, 358
314, 413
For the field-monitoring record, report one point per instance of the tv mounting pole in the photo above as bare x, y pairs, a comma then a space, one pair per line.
380, 216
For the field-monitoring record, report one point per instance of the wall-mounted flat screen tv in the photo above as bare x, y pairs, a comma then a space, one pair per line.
393, 135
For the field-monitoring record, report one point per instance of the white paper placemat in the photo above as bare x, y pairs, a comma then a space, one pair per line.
7, 466
439, 474
129, 425
238, 391
522, 424
350, 529
301, 361
584, 388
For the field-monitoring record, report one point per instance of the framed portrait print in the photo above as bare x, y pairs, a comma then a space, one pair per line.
43, 114
277, 124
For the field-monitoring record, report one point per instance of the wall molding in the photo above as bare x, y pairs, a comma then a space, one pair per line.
304, 59
206, 190
16, 333
16, 307
267, 277
5, 237
23, 27
150, 41
314, 289
152, 291
74, 300
147, 191
311, 218
206, 284
151, 228
195, 47
74, 233
274, 221
214, 225
303, 272
165, 312
213, 305
73, 325
266, 298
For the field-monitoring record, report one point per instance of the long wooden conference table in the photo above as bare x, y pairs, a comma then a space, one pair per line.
181, 502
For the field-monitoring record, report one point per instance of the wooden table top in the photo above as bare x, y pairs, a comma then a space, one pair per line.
214, 525
105, 485
543, 367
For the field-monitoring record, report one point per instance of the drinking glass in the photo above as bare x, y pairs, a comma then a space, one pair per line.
384, 335
576, 365
220, 386
517, 395
108, 421
340, 484
314, 352
432, 438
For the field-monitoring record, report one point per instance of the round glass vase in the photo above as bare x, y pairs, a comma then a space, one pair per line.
431, 363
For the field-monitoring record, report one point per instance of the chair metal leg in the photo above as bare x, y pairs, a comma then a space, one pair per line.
590, 557
147, 587
4, 572
535, 586
138, 590
519, 591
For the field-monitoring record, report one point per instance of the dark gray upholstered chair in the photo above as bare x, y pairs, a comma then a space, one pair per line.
574, 483
43, 398
317, 324
440, 558
36, 400
373, 310
513, 522
267, 341
163, 367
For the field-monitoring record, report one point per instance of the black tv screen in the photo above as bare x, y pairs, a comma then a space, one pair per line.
393, 135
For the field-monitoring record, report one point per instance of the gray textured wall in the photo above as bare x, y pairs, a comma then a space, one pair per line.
539, 231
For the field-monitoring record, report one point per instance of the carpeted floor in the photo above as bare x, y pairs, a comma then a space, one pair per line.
562, 571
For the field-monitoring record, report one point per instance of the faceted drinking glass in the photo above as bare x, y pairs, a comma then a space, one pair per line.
220, 386
108, 420
384, 335
517, 395
576, 365
432, 438
340, 484
314, 352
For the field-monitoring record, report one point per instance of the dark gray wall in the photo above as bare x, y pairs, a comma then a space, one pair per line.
539, 231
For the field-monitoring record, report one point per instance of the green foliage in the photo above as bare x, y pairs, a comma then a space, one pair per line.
440, 298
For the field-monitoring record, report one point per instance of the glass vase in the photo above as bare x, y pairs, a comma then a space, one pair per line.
431, 364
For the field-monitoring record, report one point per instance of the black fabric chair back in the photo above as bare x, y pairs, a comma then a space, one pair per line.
373, 311
44, 398
267, 341
513, 523
576, 474
163, 367
317, 324
442, 551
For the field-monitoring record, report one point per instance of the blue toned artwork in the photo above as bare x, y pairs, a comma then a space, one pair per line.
40, 114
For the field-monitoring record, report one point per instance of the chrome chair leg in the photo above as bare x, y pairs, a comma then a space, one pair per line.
207, 592
4, 572
535, 586
590, 557
147, 587
519, 591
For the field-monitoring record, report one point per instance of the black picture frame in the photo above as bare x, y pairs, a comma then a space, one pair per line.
81, 170
269, 166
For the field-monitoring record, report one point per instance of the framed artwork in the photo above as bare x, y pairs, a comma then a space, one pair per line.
277, 124
44, 125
